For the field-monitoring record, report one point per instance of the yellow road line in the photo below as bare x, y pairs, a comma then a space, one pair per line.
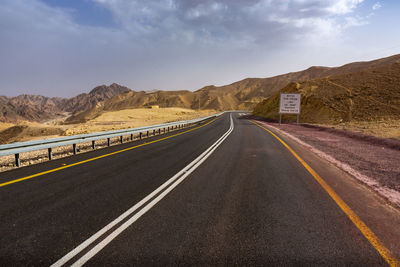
99, 157
372, 238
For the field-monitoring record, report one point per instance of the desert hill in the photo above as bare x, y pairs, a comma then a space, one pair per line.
368, 94
29, 107
134, 99
99, 94
242, 95
250, 88
40, 108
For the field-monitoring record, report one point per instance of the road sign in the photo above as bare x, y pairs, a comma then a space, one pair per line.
289, 104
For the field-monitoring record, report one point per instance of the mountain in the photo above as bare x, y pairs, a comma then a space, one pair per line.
99, 94
29, 107
41, 108
134, 99
243, 95
364, 95
246, 93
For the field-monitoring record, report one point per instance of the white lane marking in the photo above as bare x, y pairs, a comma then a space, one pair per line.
182, 174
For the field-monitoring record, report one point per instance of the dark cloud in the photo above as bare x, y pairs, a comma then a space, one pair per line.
252, 20
166, 44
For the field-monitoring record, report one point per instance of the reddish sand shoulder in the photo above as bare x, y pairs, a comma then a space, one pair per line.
372, 160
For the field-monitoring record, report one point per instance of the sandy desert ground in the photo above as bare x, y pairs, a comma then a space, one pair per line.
384, 128
4, 125
114, 120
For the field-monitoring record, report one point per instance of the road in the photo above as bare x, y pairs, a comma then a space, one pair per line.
241, 199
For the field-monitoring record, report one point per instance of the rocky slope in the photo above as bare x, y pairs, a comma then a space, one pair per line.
367, 95
29, 107
93, 98
40, 108
244, 95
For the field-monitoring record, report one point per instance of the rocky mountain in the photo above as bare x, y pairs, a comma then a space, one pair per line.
40, 108
134, 99
99, 94
365, 95
29, 107
244, 95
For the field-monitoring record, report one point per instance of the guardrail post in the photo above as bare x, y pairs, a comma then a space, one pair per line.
131, 137
17, 160
121, 140
50, 153
74, 140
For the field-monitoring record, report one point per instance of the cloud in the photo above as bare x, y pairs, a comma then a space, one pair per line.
376, 6
355, 21
46, 51
215, 21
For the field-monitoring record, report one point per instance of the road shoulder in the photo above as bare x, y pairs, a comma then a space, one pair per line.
379, 215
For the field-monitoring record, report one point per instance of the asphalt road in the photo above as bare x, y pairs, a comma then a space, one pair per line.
247, 201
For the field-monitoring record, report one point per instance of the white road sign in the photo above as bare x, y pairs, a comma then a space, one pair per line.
289, 103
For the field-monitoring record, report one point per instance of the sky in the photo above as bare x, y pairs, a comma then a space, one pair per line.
66, 47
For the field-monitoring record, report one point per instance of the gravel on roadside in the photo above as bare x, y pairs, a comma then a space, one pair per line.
35, 157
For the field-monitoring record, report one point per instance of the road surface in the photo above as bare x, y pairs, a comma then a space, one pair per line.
226, 192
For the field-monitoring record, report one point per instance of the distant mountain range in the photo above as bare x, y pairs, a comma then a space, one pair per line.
40, 108
244, 94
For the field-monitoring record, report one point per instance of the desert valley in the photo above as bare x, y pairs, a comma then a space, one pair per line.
362, 97
199, 133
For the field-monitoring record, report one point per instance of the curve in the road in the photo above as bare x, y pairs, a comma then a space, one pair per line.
372, 238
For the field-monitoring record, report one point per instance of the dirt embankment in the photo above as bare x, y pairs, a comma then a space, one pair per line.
20, 133
373, 161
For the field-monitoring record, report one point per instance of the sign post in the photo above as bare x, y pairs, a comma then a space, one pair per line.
289, 104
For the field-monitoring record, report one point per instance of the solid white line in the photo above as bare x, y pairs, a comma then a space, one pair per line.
182, 174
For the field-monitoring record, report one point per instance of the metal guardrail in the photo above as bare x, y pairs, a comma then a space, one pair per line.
21, 147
